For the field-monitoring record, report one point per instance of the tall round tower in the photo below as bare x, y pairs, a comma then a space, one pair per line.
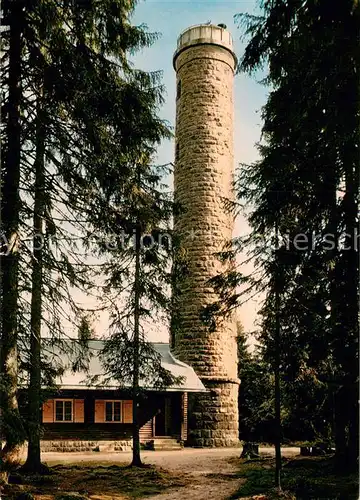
204, 165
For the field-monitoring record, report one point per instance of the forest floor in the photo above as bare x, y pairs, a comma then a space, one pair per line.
190, 474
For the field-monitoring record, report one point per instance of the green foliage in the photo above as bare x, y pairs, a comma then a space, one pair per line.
96, 113
137, 282
306, 183
307, 401
309, 409
302, 479
118, 357
256, 413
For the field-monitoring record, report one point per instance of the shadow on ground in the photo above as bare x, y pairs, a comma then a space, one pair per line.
97, 482
302, 479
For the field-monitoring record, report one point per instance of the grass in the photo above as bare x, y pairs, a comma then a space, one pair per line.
302, 478
94, 481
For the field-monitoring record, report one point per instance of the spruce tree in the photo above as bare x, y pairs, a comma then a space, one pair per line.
309, 160
138, 277
97, 110
33, 462
10, 224
306, 183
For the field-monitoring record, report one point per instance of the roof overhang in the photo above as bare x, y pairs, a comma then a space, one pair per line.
79, 380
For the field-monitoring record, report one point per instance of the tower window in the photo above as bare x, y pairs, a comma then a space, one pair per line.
178, 90
177, 151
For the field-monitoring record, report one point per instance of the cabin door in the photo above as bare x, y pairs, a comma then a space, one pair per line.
163, 418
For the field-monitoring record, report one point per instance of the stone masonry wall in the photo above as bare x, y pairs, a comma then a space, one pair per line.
202, 181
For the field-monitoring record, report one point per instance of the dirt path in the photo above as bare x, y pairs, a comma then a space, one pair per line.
208, 473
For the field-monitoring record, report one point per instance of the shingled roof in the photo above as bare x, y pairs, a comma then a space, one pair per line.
80, 379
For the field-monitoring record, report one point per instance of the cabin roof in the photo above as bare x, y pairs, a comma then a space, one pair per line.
80, 379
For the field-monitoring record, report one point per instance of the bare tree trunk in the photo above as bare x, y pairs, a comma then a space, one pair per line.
10, 216
33, 463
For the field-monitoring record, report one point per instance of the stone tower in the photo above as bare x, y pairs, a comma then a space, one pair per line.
204, 62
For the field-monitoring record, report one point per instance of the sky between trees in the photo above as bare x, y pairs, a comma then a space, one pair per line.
169, 18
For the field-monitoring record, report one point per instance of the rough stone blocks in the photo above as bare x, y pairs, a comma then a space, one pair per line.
203, 183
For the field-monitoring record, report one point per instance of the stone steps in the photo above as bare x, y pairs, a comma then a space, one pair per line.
167, 444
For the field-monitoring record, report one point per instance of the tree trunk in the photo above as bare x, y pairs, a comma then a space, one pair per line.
10, 215
353, 446
33, 463
277, 369
136, 461
354, 221
335, 277
250, 450
340, 430
346, 321
350, 316
305, 451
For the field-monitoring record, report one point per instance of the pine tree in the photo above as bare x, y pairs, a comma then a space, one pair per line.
308, 157
33, 462
306, 184
97, 110
140, 293
255, 397
10, 215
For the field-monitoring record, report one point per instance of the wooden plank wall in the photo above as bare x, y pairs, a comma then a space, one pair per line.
184, 423
146, 431
98, 429
89, 418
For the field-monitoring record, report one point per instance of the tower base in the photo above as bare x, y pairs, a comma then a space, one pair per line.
213, 419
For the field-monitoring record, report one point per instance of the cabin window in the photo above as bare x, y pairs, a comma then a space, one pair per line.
112, 411
178, 89
63, 410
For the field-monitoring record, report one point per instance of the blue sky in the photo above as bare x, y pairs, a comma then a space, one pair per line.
170, 18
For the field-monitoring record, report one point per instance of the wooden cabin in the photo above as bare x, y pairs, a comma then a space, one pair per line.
84, 416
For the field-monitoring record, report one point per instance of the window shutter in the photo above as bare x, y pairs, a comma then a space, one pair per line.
127, 412
78, 410
99, 411
48, 411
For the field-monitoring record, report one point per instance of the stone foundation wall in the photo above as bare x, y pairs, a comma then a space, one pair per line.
85, 445
203, 178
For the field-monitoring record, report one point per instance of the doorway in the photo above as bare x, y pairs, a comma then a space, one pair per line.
163, 418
